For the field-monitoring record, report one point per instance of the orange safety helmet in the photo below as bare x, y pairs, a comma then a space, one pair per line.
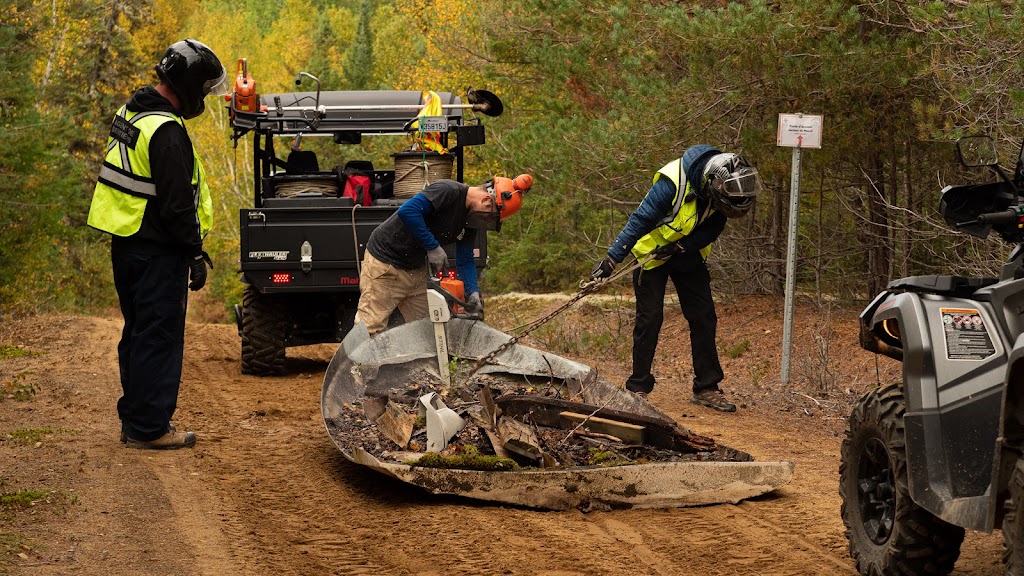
508, 193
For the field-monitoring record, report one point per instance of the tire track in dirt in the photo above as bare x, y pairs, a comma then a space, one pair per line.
315, 512
265, 492
261, 466
721, 539
310, 511
343, 506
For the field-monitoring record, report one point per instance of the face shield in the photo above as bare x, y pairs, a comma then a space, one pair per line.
733, 188
484, 220
217, 86
486, 215
743, 183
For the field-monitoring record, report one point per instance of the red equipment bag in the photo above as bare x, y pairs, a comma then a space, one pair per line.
358, 182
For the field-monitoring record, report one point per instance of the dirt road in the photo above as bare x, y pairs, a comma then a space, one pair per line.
265, 492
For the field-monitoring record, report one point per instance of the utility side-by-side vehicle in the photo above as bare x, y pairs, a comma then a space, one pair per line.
303, 239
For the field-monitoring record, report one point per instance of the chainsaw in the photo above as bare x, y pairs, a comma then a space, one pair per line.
442, 306
453, 299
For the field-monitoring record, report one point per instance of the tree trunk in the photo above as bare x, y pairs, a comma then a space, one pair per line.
907, 239
777, 240
877, 236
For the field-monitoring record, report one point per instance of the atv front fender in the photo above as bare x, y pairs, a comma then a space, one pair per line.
951, 403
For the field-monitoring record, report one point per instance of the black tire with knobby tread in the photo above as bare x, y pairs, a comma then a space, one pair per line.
1013, 524
918, 543
263, 335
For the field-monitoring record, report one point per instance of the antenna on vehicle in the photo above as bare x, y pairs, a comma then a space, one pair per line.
319, 113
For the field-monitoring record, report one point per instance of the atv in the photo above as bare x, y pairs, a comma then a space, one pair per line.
925, 459
303, 239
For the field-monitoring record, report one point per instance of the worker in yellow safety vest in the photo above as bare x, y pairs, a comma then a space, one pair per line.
153, 199
682, 214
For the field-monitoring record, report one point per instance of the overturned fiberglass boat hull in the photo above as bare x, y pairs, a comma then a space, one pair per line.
650, 485
559, 403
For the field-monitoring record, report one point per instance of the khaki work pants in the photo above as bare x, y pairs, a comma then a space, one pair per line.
383, 287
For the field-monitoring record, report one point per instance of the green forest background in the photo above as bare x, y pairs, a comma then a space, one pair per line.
598, 95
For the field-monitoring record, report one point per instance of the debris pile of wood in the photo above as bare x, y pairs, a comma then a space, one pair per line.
510, 423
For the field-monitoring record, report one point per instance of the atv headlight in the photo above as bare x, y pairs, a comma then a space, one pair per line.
891, 328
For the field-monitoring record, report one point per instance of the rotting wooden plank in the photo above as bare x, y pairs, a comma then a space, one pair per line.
519, 438
489, 410
627, 433
404, 457
661, 433
478, 415
396, 424
490, 413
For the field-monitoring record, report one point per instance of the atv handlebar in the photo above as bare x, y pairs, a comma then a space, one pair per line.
1009, 216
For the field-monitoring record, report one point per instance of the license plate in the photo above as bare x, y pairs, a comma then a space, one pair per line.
433, 124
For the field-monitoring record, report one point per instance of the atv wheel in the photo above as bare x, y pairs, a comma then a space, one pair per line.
887, 531
1013, 524
263, 335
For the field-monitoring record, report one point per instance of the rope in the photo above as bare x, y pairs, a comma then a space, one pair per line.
355, 242
325, 187
429, 167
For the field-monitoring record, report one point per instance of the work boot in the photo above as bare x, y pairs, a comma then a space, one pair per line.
124, 432
172, 440
713, 398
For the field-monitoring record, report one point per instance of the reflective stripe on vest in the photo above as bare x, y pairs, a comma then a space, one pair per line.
678, 223
125, 181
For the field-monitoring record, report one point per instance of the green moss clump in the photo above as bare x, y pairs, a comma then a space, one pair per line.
600, 457
466, 459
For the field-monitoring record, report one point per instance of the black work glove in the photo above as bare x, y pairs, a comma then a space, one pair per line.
197, 271
667, 251
437, 258
603, 269
475, 305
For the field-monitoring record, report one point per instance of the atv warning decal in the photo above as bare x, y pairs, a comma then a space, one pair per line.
967, 338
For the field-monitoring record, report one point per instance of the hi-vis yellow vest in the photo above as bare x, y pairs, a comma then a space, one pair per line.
680, 222
125, 182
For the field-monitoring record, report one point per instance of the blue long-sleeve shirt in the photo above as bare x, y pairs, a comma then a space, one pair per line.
656, 205
413, 214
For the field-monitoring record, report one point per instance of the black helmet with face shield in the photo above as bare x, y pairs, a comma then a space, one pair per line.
192, 71
731, 184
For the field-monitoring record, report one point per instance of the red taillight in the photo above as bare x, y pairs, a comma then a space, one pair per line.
281, 278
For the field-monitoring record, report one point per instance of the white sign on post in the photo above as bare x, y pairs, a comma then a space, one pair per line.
796, 131
799, 131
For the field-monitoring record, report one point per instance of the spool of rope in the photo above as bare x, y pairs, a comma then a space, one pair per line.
306, 186
414, 171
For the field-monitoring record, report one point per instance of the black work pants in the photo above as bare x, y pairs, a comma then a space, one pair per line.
152, 290
690, 276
